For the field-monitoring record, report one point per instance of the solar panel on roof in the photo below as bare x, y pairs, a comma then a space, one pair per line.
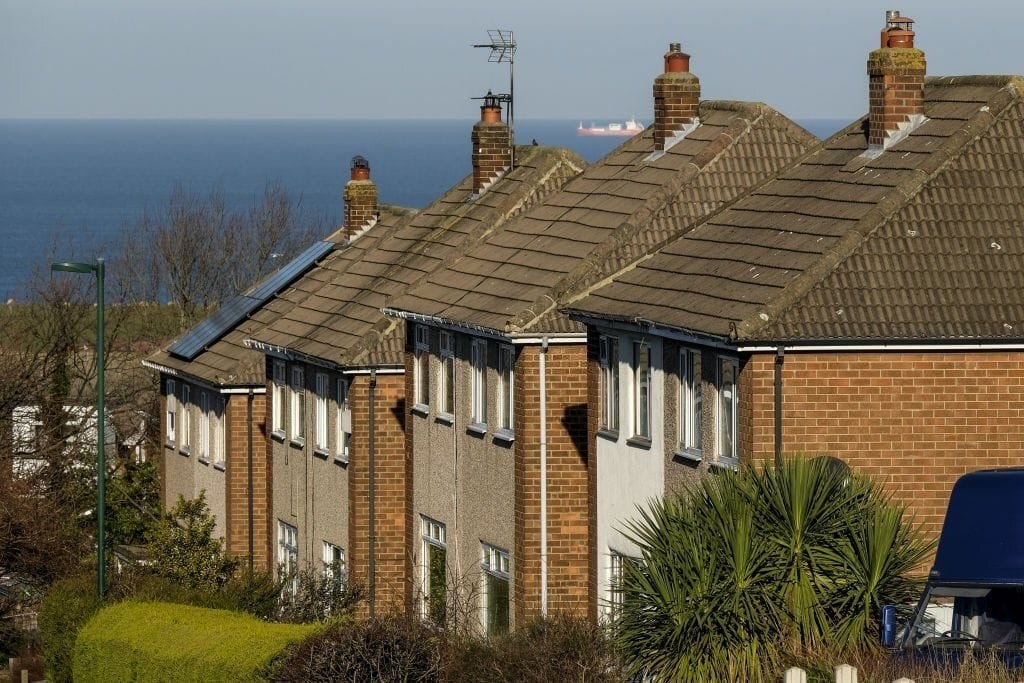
234, 311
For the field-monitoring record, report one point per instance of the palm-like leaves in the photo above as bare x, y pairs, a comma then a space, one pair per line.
744, 568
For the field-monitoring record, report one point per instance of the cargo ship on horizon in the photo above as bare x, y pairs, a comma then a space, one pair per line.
629, 128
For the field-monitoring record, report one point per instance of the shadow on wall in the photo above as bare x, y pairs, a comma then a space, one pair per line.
575, 422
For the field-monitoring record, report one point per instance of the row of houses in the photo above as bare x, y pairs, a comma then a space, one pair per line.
466, 405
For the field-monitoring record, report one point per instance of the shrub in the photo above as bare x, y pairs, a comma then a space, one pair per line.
67, 606
317, 596
153, 641
384, 649
746, 569
182, 547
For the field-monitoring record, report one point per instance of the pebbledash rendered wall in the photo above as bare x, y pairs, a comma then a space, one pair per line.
914, 420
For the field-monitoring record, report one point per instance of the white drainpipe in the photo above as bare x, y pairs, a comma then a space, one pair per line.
543, 479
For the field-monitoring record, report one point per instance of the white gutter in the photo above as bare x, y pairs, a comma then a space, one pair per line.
543, 479
372, 370
991, 346
568, 338
262, 389
256, 388
489, 332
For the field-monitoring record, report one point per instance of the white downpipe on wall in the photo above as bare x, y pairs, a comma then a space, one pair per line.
543, 478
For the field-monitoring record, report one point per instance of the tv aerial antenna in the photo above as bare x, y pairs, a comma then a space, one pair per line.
503, 49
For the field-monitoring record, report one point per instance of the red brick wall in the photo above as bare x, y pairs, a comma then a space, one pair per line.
895, 90
916, 421
236, 424
570, 551
393, 491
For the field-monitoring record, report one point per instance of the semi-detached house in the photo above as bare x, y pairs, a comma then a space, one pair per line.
338, 410
496, 377
866, 303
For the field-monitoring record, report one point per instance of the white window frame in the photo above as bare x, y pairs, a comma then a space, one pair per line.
277, 385
288, 553
204, 425
729, 455
616, 565
218, 451
691, 394
320, 427
609, 361
506, 389
494, 564
434, 534
446, 383
333, 557
298, 412
421, 367
641, 391
343, 426
185, 421
478, 385
172, 413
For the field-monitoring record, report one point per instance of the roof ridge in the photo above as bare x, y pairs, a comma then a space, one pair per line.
1011, 90
579, 286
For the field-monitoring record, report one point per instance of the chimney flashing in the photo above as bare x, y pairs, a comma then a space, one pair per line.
673, 139
676, 98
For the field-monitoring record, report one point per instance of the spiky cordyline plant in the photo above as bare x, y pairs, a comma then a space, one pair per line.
742, 569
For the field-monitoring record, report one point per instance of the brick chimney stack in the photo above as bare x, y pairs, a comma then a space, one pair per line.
360, 197
895, 80
676, 96
492, 145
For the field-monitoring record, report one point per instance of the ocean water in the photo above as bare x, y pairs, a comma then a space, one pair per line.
68, 186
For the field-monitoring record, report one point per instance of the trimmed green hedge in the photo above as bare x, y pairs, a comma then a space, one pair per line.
158, 641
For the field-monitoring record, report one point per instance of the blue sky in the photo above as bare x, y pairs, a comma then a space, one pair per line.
412, 59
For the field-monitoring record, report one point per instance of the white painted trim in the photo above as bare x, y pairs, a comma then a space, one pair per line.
159, 368
565, 338
488, 332
255, 388
641, 326
991, 346
383, 370
260, 389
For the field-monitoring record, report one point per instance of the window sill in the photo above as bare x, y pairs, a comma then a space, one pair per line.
639, 442
298, 442
477, 428
321, 452
420, 409
202, 460
341, 459
185, 450
277, 435
170, 444
505, 435
725, 463
610, 434
220, 465
688, 455
445, 418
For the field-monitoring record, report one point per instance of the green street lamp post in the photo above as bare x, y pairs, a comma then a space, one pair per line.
101, 418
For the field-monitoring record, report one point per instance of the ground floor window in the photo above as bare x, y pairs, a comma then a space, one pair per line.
495, 567
334, 561
288, 553
618, 565
435, 574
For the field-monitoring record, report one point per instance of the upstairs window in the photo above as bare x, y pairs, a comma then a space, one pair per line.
446, 387
641, 390
421, 365
728, 408
217, 451
320, 414
689, 400
298, 404
185, 421
478, 388
609, 358
344, 423
506, 388
277, 397
172, 411
204, 425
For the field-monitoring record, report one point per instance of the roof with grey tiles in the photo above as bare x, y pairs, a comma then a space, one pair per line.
382, 259
627, 204
337, 309
926, 241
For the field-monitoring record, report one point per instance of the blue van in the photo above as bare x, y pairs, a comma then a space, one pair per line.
974, 595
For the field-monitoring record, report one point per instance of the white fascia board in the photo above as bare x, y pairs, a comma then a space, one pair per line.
892, 347
256, 388
261, 389
487, 332
382, 370
643, 326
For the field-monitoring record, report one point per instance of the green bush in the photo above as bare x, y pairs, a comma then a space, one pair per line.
154, 641
67, 606
748, 570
